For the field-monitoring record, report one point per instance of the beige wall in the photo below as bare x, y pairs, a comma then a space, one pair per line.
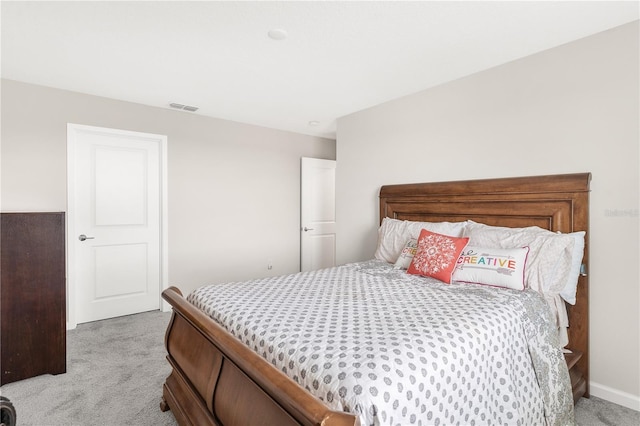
569, 109
233, 189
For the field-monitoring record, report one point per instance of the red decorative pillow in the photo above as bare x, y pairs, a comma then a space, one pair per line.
436, 255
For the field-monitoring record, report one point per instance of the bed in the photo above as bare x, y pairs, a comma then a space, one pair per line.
217, 378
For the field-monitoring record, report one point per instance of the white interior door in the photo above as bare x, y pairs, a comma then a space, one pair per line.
317, 214
115, 225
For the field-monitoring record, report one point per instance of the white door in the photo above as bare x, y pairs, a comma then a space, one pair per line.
115, 221
317, 214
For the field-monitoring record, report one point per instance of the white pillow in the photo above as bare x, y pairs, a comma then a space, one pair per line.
406, 255
393, 235
568, 293
492, 266
550, 254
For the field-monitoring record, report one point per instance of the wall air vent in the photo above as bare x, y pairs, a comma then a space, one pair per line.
183, 107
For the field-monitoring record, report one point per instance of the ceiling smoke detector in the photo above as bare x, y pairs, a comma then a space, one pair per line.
183, 107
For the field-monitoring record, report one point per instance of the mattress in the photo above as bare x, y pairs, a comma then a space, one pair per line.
399, 349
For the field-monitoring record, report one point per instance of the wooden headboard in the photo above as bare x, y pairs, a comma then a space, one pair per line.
555, 202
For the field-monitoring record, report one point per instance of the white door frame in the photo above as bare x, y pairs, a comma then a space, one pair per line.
70, 216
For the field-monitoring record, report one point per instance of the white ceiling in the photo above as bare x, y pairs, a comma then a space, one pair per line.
339, 57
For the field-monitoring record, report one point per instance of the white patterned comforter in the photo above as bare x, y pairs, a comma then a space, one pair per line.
398, 349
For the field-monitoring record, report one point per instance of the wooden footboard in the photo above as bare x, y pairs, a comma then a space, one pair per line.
216, 380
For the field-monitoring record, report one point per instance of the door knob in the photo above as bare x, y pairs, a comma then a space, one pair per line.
305, 229
83, 237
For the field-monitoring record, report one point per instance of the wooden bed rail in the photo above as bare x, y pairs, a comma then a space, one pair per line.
232, 385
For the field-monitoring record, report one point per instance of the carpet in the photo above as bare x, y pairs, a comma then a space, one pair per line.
115, 372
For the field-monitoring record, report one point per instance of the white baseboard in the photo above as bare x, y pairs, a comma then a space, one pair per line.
614, 395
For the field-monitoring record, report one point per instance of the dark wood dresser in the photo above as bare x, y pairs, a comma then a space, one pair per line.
32, 295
